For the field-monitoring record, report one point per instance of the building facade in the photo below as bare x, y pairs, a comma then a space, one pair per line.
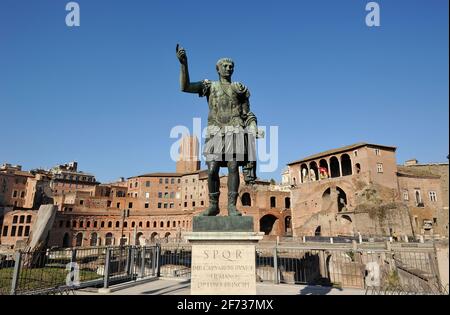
360, 189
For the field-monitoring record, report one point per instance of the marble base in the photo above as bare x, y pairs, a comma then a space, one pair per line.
223, 263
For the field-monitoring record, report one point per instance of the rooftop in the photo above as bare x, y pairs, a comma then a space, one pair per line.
342, 149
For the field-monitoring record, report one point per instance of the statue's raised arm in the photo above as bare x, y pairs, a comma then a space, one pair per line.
185, 84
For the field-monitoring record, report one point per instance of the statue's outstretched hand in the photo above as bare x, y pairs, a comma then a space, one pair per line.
181, 55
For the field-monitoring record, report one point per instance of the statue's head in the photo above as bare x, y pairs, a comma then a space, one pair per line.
225, 67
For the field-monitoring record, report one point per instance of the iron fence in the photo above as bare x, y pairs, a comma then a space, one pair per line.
380, 269
64, 270
175, 261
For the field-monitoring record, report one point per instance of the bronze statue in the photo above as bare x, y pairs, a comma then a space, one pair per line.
231, 131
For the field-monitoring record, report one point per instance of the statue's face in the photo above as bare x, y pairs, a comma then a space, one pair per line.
226, 69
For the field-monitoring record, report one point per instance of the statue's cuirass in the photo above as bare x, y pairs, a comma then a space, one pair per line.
225, 106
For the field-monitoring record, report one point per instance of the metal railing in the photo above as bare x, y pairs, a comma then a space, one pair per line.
53, 271
381, 268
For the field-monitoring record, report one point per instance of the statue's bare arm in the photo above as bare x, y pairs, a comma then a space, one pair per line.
185, 84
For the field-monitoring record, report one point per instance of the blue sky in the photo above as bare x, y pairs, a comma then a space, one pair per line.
106, 94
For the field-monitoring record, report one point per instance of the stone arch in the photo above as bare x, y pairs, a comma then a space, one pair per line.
140, 239
334, 167
347, 217
93, 240
153, 237
109, 240
346, 164
313, 171
346, 225
266, 223
318, 231
79, 240
341, 199
324, 172
66, 240
166, 236
246, 200
304, 173
326, 199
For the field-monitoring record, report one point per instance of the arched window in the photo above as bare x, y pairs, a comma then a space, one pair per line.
266, 223
341, 199
154, 224
334, 167
110, 224
273, 202
304, 173
318, 231
148, 224
117, 224
324, 172
161, 224
93, 241
108, 239
358, 168
313, 172
246, 200
346, 164
79, 240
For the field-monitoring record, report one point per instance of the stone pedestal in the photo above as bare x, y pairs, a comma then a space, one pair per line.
223, 263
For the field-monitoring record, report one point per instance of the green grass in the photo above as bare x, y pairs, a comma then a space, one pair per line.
40, 278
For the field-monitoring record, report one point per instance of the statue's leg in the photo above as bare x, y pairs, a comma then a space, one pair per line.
214, 189
233, 188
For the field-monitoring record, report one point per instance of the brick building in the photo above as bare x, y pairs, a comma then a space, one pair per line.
361, 189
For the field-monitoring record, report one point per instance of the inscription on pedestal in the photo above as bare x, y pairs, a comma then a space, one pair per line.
223, 270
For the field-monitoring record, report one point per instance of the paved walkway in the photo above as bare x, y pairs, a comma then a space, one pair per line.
176, 287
